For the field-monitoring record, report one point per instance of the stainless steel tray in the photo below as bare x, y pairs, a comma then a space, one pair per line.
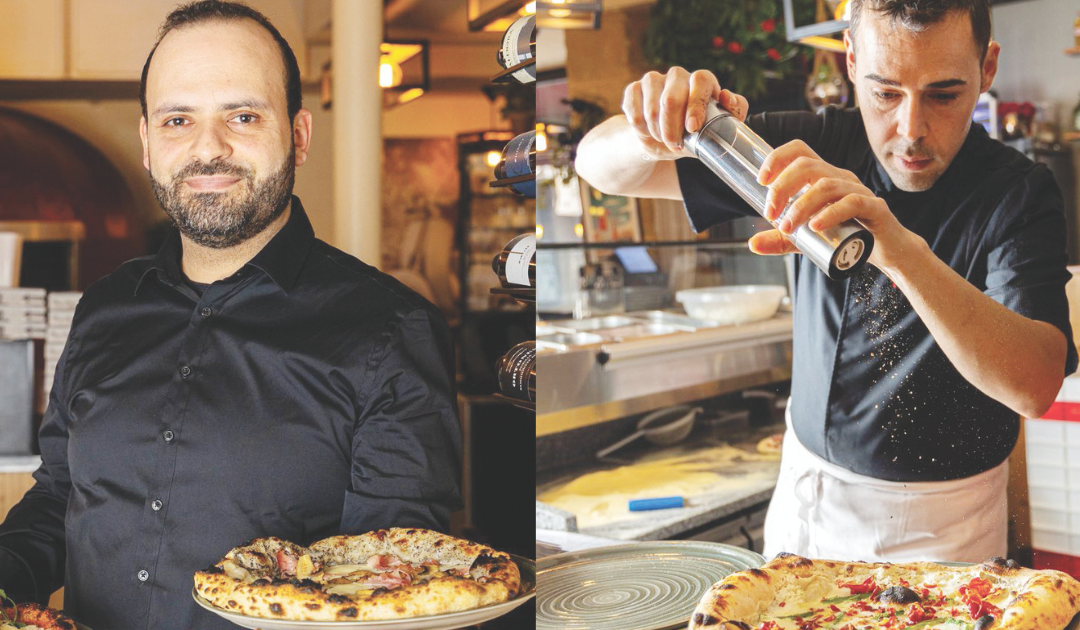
638, 330
673, 319
563, 341
594, 323
640, 586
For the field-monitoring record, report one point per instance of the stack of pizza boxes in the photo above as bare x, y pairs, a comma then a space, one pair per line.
1053, 467
22, 313
61, 313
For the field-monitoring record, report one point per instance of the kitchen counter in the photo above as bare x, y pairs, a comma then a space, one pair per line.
588, 383
722, 478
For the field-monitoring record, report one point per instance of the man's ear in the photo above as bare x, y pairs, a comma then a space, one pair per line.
301, 131
849, 56
990, 66
145, 146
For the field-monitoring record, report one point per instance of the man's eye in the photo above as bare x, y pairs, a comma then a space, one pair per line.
945, 96
245, 118
884, 96
175, 122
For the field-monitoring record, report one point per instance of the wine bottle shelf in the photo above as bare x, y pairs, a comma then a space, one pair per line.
502, 183
517, 402
528, 296
507, 75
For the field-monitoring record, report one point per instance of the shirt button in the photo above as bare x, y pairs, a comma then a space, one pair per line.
207, 311
144, 575
168, 435
155, 505
185, 371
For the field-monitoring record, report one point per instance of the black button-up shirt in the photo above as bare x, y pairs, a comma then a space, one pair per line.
871, 390
305, 396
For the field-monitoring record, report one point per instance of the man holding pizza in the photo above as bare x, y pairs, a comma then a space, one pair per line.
909, 379
248, 380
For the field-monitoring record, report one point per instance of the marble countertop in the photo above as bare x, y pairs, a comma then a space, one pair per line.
739, 484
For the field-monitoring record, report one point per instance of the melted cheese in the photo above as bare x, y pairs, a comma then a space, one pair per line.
236, 572
304, 567
345, 569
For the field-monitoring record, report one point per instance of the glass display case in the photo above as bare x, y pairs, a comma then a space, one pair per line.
632, 325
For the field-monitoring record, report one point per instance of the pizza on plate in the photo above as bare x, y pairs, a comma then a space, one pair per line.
32, 617
384, 574
795, 593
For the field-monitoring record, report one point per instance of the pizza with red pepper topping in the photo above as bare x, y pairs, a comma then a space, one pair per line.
795, 593
385, 574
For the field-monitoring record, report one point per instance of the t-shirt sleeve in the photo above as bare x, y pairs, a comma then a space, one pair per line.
707, 199
1026, 268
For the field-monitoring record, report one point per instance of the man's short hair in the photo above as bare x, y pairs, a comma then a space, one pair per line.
223, 10
917, 15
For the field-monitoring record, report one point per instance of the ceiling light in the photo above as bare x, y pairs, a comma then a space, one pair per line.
568, 14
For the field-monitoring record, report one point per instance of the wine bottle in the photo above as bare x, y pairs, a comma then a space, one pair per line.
516, 263
518, 45
517, 372
519, 158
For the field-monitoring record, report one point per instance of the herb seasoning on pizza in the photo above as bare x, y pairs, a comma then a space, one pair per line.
384, 574
794, 593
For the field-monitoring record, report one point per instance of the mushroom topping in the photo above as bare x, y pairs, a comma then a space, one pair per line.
898, 595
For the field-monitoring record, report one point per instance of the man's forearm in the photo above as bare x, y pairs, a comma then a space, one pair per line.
610, 158
1013, 359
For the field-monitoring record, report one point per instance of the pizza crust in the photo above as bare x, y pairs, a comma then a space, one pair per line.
1044, 600
244, 580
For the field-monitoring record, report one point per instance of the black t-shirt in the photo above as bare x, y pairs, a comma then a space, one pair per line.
871, 389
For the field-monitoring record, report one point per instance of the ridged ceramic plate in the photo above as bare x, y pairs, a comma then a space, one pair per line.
447, 621
641, 586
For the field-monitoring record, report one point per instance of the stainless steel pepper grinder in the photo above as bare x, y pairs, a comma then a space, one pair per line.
734, 152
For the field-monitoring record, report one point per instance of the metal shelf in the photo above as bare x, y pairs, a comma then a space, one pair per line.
505, 75
527, 296
521, 404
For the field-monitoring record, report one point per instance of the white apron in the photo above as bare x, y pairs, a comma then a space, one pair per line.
820, 510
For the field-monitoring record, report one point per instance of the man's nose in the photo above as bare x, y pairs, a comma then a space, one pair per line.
211, 142
913, 123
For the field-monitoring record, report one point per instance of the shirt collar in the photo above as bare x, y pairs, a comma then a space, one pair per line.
281, 259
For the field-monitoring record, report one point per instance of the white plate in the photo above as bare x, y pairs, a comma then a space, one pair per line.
449, 621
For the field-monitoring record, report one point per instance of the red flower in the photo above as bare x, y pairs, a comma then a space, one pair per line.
768, 25
717, 41
734, 47
773, 54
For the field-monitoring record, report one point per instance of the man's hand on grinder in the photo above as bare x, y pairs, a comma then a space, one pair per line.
834, 196
662, 107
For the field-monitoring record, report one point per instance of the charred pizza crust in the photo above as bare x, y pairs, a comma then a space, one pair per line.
483, 577
40, 616
1038, 600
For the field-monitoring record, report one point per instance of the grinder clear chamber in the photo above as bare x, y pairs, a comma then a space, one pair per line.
735, 153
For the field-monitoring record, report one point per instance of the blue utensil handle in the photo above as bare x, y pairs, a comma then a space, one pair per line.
661, 503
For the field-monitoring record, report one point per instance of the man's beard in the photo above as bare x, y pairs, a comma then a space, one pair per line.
224, 219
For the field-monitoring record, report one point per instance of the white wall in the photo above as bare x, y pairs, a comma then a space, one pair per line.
1033, 36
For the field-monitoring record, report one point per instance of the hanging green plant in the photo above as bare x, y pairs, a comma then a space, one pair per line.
741, 41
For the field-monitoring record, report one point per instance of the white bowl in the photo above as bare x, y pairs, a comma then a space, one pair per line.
733, 305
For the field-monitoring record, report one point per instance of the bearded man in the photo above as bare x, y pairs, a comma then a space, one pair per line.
248, 380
